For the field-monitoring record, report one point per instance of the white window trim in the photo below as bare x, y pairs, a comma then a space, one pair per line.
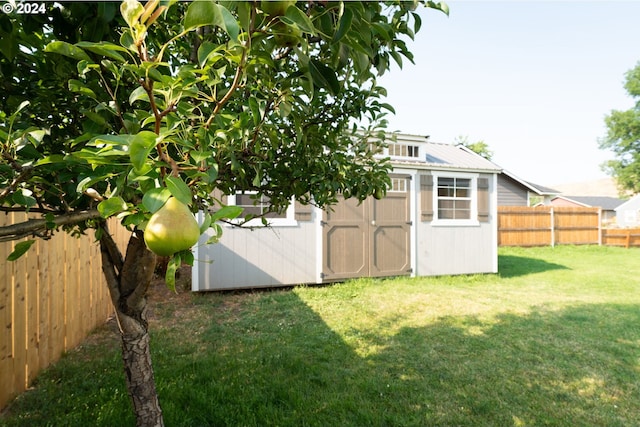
288, 221
473, 221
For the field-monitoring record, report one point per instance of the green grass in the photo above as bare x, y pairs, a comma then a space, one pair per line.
553, 340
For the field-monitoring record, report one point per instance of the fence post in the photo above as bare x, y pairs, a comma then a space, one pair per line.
628, 239
553, 227
599, 226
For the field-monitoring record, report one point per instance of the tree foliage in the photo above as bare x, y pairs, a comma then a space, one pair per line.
623, 137
108, 109
479, 147
220, 95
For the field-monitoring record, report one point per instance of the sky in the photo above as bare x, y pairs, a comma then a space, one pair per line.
532, 79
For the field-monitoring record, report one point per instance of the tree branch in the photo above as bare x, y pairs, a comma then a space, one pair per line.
33, 226
109, 245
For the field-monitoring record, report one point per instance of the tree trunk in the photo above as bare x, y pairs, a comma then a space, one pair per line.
128, 281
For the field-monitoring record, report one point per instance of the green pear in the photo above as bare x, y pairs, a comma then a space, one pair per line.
173, 228
379, 193
286, 35
276, 7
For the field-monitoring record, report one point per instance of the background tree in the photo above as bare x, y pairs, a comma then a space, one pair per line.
479, 147
623, 138
106, 114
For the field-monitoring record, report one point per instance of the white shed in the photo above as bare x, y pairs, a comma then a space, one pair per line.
438, 218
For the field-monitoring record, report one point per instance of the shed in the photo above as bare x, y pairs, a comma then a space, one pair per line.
439, 217
628, 213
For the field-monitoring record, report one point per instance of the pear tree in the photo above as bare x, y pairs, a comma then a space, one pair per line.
149, 112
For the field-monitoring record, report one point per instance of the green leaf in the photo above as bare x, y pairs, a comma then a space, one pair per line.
206, 12
78, 87
155, 198
178, 189
24, 197
48, 160
205, 223
324, 76
139, 94
142, 144
256, 111
200, 156
67, 49
111, 206
187, 257
226, 212
205, 49
345, 24
439, 5
298, 17
228, 22
20, 249
200, 14
9, 45
131, 11
105, 49
172, 267
388, 107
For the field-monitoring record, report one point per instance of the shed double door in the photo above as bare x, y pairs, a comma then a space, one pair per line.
370, 239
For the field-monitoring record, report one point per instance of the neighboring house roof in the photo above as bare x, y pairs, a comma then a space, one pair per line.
604, 202
534, 188
435, 155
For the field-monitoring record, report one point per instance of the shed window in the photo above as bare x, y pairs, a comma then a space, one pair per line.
398, 185
404, 150
455, 198
257, 206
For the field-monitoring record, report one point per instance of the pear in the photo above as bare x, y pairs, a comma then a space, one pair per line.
286, 35
276, 7
173, 228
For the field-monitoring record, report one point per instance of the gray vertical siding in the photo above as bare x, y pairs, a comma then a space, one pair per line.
511, 193
257, 258
455, 250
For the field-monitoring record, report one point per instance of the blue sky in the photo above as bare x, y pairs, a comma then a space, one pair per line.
532, 79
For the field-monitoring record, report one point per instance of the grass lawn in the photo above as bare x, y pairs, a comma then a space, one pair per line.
553, 340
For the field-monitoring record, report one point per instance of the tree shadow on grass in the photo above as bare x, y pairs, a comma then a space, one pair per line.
513, 266
576, 366
269, 359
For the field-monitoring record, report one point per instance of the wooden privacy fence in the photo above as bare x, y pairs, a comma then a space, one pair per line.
50, 299
548, 226
627, 237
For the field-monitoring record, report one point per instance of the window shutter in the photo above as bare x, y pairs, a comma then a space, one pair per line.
302, 212
426, 197
483, 199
